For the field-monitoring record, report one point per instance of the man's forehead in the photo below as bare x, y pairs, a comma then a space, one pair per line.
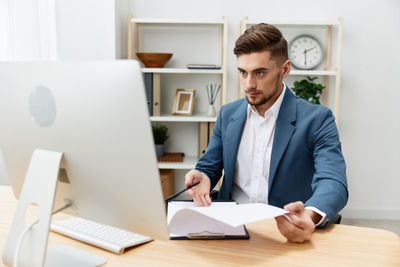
256, 60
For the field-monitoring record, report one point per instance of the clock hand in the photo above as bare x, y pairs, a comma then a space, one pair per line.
305, 57
305, 54
306, 50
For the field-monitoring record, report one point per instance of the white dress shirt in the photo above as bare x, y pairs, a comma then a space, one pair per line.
250, 181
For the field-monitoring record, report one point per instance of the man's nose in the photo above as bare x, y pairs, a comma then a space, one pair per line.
250, 83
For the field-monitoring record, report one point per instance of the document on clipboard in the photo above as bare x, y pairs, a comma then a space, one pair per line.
221, 220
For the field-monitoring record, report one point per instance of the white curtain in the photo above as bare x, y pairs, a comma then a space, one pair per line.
28, 30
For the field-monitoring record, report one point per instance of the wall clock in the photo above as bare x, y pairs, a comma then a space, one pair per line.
305, 52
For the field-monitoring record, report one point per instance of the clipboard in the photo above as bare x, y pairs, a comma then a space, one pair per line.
206, 234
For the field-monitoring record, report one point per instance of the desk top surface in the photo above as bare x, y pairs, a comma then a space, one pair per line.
338, 245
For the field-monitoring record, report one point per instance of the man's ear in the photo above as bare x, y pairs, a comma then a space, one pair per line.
286, 68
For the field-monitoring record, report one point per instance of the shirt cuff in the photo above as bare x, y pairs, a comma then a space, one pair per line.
323, 215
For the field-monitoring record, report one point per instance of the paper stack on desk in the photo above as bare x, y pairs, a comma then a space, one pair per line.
220, 220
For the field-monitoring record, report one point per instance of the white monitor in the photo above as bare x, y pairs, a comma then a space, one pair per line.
96, 114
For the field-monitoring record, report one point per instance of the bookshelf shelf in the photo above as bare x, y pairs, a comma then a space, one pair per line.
187, 164
172, 118
313, 72
182, 71
277, 22
176, 21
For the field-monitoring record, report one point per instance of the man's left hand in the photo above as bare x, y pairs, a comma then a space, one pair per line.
300, 226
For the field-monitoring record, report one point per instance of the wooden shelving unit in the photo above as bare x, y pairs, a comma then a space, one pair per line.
327, 71
205, 122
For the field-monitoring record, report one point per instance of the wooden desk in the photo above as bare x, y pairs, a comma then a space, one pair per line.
339, 245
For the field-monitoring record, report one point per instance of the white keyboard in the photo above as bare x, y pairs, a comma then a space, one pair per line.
100, 235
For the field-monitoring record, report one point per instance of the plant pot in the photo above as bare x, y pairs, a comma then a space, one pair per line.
159, 150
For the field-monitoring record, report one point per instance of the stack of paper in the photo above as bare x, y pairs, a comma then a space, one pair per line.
221, 219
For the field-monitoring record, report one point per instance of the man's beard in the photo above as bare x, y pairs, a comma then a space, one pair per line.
263, 100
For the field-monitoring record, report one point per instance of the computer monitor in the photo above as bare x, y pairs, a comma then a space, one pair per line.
96, 114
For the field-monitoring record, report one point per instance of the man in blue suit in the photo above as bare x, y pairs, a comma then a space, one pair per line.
273, 147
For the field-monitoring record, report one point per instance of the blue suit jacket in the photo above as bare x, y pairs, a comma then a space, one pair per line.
306, 160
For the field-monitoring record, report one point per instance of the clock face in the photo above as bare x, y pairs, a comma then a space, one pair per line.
305, 52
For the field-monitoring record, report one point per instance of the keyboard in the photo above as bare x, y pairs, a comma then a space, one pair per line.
107, 237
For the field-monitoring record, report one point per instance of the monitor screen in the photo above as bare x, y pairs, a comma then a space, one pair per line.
96, 114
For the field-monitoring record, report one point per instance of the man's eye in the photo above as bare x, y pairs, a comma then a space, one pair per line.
260, 73
243, 73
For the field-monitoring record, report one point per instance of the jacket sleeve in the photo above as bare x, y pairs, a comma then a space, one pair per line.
211, 162
329, 183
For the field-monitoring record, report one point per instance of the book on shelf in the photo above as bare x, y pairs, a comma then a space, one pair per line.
148, 83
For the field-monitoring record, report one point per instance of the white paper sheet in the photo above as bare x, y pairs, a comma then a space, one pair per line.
220, 217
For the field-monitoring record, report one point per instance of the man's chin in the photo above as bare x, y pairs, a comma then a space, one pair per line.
255, 101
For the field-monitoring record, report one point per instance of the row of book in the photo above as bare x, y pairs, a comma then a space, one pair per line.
148, 83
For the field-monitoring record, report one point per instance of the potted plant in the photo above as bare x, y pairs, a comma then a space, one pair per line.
160, 134
308, 90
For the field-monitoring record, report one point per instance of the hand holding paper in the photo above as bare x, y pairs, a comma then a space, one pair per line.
298, 225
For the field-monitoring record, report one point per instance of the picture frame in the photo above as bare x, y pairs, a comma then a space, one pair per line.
184, 102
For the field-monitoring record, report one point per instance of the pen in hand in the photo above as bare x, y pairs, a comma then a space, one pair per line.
180, 192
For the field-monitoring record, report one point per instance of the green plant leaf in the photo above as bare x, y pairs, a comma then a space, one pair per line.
308, 89
160, 133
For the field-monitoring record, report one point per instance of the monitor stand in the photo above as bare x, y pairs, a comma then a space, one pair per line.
39, 189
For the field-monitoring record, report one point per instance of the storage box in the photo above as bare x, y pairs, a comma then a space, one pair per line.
167, 182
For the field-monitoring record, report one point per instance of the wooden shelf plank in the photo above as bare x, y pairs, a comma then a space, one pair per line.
332, 22
182, 70
187, 164
176, 21
172, 118
314, 72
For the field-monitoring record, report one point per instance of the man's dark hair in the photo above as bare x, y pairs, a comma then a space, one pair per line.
262, 37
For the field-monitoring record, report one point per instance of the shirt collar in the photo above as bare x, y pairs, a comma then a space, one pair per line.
274, 109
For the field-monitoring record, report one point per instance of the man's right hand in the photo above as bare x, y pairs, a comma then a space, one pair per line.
201, 192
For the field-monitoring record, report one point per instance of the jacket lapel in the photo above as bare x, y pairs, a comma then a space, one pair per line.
234, 133
285, 127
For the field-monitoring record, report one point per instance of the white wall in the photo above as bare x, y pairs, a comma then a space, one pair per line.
86, 29
369, 121
122, 10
